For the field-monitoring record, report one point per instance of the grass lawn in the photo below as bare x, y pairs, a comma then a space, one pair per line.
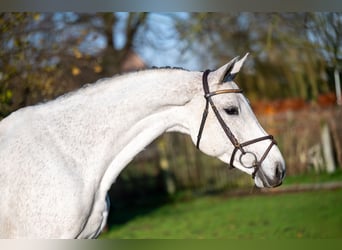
316, 214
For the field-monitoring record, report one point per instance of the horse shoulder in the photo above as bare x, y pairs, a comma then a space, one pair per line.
52, 193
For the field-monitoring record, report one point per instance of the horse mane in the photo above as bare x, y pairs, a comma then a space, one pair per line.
105, 79
169, 67
146, 69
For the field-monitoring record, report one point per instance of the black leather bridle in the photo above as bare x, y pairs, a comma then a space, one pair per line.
237, 145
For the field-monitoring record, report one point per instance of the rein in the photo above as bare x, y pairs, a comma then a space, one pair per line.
237, 145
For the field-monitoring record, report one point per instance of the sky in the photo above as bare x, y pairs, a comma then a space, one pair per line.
164, 35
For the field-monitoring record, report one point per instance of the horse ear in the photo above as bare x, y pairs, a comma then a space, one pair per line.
229, 71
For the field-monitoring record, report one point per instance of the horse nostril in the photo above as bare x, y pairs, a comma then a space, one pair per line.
279, 172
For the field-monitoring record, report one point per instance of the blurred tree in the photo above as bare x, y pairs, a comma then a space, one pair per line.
43, 55
283, 61
325, 31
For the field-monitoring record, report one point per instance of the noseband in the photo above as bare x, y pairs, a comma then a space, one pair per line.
237, 145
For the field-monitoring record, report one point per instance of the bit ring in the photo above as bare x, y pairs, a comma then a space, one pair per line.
254, 161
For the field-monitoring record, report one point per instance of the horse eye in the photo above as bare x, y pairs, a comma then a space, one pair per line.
232, 110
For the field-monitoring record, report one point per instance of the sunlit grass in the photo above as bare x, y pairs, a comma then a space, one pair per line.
295, 215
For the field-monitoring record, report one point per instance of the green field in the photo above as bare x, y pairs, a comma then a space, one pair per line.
316, 214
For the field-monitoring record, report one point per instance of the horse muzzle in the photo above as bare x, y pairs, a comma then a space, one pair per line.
272, 179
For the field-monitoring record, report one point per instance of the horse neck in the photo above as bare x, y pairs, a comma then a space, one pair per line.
123, 115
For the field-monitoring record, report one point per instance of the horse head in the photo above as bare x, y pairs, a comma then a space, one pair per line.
227, 128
